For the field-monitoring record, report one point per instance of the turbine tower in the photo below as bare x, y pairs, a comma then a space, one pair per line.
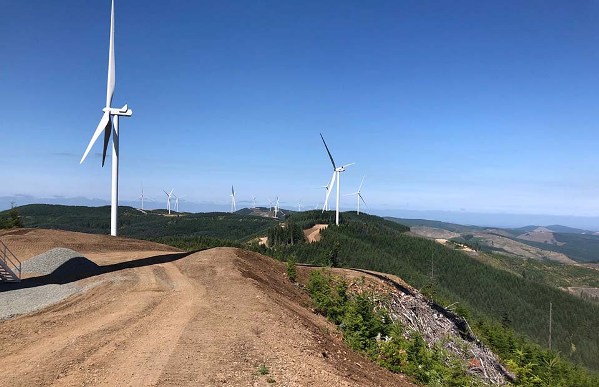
109, 124
233, 204
168, 200
336, 176
142, 197
358, 194
276, 206
254, 201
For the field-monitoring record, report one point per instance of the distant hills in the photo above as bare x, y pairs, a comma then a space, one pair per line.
577, 244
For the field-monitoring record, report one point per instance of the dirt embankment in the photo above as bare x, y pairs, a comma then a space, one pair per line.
313, 234
216, 317
28, 242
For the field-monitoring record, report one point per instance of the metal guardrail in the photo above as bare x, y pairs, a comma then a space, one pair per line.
10, 260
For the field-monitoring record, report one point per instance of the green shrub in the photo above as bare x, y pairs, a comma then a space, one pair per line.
364, 328
291, 269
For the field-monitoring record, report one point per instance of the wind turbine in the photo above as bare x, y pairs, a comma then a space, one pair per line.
233, 205
299, 206
177, 202
142, 197
109, 124
269, 205
276, 206
254, 201
358, 194
336, 176
168, 200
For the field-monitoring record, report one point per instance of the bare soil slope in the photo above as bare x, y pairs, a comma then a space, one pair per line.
208, 318
28, 242
313, 234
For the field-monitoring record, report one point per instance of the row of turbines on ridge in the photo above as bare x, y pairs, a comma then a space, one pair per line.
109, 125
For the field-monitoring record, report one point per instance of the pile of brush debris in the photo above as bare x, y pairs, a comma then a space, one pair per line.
441, 326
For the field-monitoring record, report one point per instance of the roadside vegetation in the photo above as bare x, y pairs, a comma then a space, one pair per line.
372, 332
484, 294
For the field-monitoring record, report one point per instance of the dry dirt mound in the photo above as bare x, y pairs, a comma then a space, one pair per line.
210, 318
27, 242
313, 234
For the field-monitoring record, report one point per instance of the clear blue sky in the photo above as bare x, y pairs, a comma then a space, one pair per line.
455, 106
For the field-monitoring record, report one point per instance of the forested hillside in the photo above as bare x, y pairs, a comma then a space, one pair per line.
578, 244
152, 225
452, 277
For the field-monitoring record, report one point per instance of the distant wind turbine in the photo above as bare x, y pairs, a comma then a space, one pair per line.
336, 176
277, 207
169, 195
254, 201
233, 204
142, 197
358, 194
109, 124
177, 202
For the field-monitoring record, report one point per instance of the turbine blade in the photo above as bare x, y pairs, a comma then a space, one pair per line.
111, 70
363, 177
101, 126
362, 199
107, 131
326, 200
347, 165
327, 148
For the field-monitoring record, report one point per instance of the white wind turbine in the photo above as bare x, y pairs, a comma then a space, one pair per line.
142, 197
233, 204
276, 206
254, 201
109, 124
299, 206
336, 176
177, 202
358, 194
169, 195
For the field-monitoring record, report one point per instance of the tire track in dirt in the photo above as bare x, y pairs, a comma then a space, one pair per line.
130, 317
210, 318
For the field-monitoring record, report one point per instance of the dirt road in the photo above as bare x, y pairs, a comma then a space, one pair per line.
211, 318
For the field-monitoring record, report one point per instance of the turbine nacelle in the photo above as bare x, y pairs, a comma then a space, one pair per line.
336, 176
342, 168
124, 111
